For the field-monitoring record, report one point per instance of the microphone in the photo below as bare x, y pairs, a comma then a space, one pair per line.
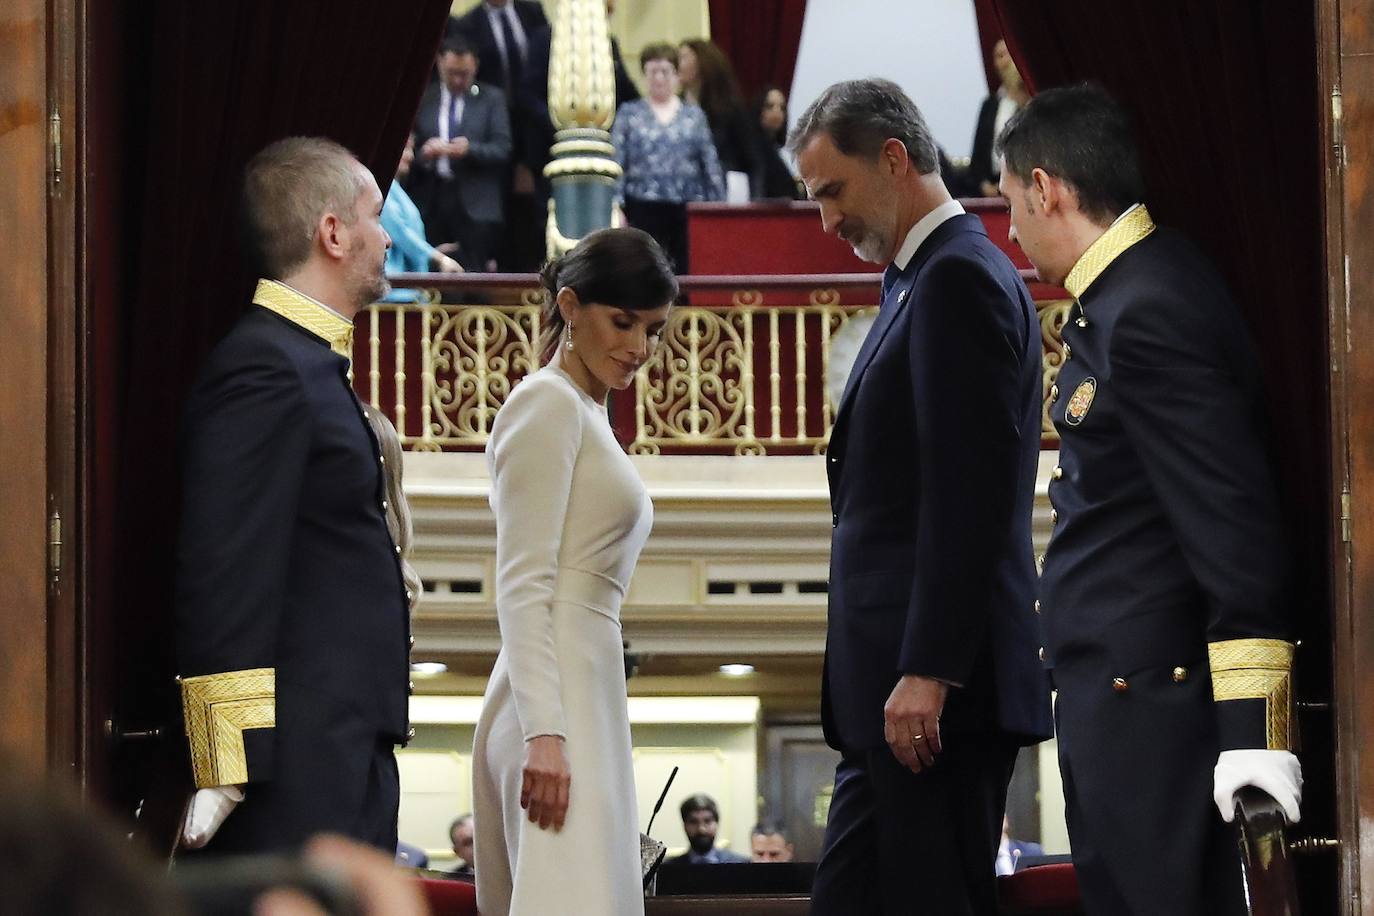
662, 795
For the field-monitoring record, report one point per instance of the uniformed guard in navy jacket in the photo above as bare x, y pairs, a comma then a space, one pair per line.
931, 678
292, 623
1162, 598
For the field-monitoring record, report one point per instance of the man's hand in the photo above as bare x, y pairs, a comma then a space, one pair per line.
444, 264
458, 147
547, 778
522, 181
433, 148
1277, 772
208, 809
911, 720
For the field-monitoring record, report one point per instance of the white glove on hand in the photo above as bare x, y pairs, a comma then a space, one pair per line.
208, 809
1277, 772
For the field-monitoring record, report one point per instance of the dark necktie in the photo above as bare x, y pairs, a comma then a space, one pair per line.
890, 277
453, 120
513, 59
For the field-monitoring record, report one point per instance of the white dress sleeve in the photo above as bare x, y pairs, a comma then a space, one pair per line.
532, 452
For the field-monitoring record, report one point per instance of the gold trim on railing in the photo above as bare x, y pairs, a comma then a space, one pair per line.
705, 390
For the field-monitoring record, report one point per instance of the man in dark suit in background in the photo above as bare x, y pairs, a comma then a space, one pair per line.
931, 677
1167, 557
505, 34
463, 148
292, 618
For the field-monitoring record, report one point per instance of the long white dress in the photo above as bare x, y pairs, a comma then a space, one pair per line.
571, 518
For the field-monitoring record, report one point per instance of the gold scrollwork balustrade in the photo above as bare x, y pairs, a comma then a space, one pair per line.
747, 378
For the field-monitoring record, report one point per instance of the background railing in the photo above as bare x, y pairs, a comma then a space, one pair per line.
745, 368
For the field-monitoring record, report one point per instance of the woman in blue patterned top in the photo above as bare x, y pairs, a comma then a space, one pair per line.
664, 145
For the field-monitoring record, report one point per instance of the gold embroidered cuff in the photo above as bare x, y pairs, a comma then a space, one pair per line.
217, 709
1256, 669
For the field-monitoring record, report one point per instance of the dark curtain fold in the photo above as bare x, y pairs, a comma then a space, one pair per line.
217, 84
761, 38
989, 32
1225, 100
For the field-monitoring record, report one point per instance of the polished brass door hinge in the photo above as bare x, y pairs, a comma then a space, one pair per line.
1345, 515
55, 143
1337, 127
54, 547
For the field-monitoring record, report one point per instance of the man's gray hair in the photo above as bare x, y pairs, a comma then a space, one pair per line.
861, 115
287, 187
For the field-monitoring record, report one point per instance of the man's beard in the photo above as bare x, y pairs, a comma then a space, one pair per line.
370, 288
868, 245
701, 843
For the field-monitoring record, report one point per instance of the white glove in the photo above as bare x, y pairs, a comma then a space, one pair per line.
1277, 772
208, 809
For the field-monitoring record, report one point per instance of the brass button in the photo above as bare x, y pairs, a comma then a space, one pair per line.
1180, 675
410, 733
381, 459
410, 687
1068, 351
1054, 392
1119, 685
398, 550
368, 416
1039, 564
410, 596
1057, 474
384, 505
1037, 605
412, 642
1054, 516
834, 521
1042, 653
834, 460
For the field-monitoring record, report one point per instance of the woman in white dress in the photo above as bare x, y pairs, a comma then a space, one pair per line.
557, 830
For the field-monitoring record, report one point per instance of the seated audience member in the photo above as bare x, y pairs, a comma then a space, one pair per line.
700, 820
464, 137
773, 177
410, 252
460, 834
1009, 850
664, 146
708, 79
984, 169
768, 843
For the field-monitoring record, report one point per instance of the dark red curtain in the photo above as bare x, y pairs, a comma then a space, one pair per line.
989, 33
206, 87
761, 39
1225, 99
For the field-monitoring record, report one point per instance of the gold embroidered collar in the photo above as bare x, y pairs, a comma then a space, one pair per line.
1129, 228
302, 311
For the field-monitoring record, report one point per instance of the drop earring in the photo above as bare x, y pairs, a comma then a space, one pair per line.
569, 344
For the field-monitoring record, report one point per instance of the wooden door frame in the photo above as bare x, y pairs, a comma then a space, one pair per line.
40, 689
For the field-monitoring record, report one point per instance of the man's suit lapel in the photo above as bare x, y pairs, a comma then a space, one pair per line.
895, 303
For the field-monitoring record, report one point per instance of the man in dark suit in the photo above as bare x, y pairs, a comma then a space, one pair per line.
700, 821
931, 678
463, 139
504, 34
292, 619
1167, 558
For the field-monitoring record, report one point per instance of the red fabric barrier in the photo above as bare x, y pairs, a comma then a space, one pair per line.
449, 898
1045, 890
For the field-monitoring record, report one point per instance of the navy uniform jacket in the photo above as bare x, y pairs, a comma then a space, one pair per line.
1167, 537
932, 464
292, 624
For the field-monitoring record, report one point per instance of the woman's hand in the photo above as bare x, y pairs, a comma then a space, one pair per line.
544, 793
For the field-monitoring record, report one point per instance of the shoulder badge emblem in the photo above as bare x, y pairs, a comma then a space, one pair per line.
1082, 399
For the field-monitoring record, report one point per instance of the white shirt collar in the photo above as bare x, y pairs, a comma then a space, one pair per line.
923, 228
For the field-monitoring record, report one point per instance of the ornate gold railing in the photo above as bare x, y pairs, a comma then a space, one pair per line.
742, 370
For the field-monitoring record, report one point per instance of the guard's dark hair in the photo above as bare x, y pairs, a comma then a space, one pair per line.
861, 115
659, 50
287, 187
623, 268
1082, 136
699, 802
459, 45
